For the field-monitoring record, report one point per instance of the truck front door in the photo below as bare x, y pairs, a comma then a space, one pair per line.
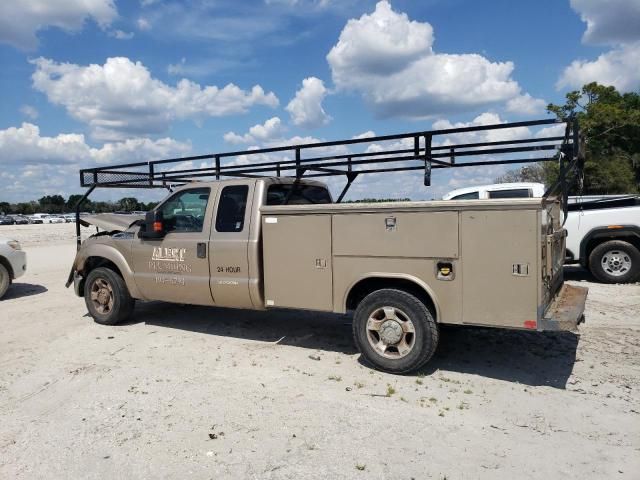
176, 267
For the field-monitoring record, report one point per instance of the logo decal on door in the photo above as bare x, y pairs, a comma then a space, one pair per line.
168, 254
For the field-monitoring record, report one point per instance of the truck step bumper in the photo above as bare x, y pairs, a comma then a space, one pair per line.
566, 311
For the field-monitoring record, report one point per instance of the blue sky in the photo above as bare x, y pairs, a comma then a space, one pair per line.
90, 82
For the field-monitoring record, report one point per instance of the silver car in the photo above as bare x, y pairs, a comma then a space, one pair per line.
13, 263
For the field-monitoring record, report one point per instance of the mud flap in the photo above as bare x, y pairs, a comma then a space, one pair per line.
566, 311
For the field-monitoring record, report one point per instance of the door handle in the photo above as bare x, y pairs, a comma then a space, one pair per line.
202, 250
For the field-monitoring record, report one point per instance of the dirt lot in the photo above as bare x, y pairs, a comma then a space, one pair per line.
214, 393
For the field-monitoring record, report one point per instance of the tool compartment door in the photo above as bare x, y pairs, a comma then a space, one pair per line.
500, 251
297, 261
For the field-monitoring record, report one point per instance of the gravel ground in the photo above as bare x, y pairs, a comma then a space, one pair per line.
215, 393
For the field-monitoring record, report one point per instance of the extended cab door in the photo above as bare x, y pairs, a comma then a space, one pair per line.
229, 263
176, 267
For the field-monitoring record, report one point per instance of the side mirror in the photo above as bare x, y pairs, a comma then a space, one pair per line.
153, 226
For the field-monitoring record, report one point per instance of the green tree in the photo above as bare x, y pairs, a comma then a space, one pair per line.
610, 122
128, 204
52, 204
72, 201
534, 172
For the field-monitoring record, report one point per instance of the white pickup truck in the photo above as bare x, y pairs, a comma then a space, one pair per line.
603, 233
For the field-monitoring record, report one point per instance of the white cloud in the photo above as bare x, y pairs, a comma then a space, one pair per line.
619, 67
143, 24
20, 20
29, 111
120, 35
367, 134
610, 21
42, 165
121, 99
389, 59
526, 105
306, 107
259, 133
614, 22
487, 118
25, 145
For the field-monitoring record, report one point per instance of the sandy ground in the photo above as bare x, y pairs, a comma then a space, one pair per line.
216, 393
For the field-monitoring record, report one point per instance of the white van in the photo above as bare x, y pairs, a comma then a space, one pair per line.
497, 190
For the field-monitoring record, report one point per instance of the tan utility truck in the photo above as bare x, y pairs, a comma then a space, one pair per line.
404, 268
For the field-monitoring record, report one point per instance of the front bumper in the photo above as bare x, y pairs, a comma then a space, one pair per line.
18, 261
566, 311
78, 283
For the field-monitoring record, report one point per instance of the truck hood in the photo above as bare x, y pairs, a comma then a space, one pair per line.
110, 221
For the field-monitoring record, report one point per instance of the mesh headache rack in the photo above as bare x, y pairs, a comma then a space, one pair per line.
416, 151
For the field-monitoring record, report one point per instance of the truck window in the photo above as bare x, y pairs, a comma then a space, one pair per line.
184, 212
302, 194
513, 193
467, 196
233, 203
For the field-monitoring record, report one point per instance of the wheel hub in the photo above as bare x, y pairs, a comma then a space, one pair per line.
390, 332
103, 296
616, 262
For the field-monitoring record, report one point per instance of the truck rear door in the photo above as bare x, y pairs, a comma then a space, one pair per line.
229, 243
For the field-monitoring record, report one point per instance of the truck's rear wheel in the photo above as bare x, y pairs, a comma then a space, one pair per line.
107, 297
394, 331
5, 280
615, 261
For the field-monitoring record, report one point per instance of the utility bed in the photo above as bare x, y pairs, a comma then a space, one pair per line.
496, 251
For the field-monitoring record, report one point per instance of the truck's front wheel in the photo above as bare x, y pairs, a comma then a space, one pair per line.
107, 297
615, 261
394, 331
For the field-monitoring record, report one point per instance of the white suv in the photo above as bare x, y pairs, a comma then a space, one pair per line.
497, 190
13, 263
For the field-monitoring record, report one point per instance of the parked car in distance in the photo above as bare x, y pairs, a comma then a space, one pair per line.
69, 217
39, 217
13, 263
6, 220
54, 219
35, 220
20, 219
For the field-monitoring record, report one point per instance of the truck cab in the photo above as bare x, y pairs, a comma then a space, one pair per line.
201, 245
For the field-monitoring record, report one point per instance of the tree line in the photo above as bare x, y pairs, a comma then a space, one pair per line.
55, 204
610, 122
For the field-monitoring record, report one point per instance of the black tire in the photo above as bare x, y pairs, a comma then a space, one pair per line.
406, 306
107, 297
603, 258
5, 280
